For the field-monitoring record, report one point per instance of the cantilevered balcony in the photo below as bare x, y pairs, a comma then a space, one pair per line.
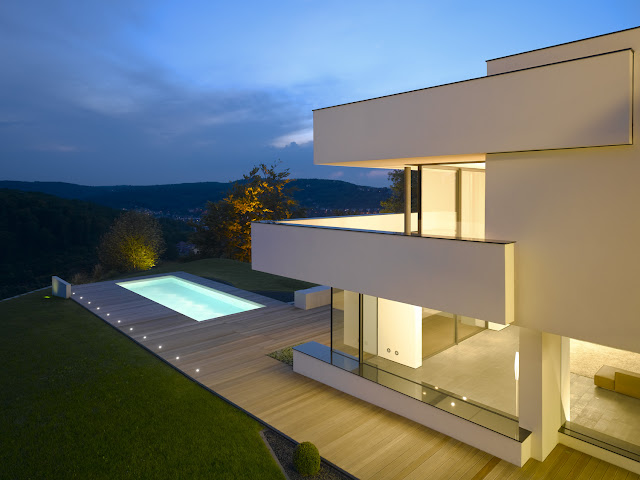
371, 255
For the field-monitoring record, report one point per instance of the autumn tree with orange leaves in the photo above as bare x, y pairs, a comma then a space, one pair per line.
225, 227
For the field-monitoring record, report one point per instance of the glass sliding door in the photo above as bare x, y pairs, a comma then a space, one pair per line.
451, 201
438, 205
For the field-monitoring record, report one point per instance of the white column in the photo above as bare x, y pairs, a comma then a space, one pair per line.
540, 389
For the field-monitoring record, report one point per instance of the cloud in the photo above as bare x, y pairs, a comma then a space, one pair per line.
57, 148
299, 137
376, 173
337, 174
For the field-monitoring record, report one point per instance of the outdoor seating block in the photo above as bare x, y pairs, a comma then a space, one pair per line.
60, 288
312, 297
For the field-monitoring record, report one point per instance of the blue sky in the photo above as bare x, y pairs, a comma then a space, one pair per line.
150, 92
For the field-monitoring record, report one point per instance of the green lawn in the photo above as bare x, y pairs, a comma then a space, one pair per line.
80, 400
238, 274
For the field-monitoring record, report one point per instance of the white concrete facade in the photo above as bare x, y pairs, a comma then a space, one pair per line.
555, 131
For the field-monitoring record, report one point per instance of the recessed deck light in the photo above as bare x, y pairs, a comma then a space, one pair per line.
89, 303
197, 370
98, 308
80, 298
118, 321
464, 398
453, 404
131, 329
159, 346
144, 338
177, 358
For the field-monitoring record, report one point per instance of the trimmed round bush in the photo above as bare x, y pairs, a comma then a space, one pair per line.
306, 459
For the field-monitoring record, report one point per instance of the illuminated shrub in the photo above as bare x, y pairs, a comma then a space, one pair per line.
134, 242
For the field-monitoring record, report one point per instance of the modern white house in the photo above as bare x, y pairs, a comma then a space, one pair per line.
504, 310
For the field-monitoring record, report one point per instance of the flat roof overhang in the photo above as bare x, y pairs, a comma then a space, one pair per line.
585, 102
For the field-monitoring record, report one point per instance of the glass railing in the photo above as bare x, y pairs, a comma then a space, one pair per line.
437, 397
601, 440
388, 224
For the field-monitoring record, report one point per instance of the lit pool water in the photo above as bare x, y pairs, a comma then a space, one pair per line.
188, 298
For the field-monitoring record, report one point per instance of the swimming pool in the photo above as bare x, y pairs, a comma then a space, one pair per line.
191, 299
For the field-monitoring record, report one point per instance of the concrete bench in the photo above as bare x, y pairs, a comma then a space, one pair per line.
618, 380
312, 297
60, 288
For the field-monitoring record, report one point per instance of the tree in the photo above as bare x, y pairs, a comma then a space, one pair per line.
225, 227
134, 242
395, 203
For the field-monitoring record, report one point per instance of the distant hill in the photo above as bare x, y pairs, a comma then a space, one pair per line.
179, 198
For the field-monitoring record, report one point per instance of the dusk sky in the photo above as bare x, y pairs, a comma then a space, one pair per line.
152, 92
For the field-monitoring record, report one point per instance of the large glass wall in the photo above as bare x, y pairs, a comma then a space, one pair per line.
460, 364
451, 201
602, 399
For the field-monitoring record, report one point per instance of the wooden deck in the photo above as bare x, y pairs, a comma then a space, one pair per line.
229, 355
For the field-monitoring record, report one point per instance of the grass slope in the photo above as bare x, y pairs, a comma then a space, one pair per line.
80, 400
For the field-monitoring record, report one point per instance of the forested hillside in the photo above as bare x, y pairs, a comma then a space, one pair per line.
43, 235
313, 193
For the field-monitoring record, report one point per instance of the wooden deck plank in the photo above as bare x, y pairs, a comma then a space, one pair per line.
368, 441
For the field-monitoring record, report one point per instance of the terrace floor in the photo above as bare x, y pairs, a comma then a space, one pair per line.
229, 355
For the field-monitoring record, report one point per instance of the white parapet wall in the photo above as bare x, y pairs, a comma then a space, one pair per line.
468, 432
312, 297
60, 288
471, 278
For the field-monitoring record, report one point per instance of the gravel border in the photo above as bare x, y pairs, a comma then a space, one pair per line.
282, 448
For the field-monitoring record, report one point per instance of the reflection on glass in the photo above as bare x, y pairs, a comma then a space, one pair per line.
452, 202
345, 322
